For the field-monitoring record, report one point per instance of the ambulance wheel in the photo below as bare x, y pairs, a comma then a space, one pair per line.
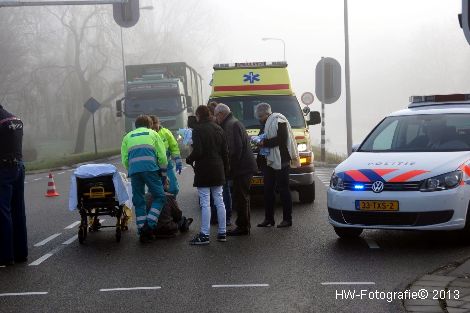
118, 234
348, 233
81, 234
307, 193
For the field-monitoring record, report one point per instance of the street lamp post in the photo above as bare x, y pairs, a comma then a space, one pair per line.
279, 39
347, 81
148, 7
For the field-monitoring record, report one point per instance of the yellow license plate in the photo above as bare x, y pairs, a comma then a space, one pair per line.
257, 181
367, 205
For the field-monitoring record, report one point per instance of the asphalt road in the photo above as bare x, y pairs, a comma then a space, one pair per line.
301, 269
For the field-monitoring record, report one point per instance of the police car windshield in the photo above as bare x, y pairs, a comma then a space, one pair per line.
420, 133
243, 108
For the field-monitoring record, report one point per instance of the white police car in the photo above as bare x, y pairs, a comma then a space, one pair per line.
411, 172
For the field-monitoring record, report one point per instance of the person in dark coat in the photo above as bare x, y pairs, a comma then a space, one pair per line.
209, 159
226, 193
13, 233
242, 166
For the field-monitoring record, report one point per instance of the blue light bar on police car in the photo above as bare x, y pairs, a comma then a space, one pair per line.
440, 98
359, 187
224, 66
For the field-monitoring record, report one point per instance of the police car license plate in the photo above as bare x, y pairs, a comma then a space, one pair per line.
257, 181
368, 205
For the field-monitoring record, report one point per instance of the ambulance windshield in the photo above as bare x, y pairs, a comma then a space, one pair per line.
420, 133
243, 108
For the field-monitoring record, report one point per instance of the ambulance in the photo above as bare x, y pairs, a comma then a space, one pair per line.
412, 171
242, 86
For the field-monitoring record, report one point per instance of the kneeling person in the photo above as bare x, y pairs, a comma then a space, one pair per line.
171, 218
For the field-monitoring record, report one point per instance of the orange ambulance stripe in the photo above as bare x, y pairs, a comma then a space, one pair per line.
406, 176
358, 176
382, 172
251, 87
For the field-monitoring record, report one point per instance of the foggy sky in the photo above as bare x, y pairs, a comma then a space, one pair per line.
397, 49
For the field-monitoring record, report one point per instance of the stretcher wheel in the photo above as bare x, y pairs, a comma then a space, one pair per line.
118, 234
81, 234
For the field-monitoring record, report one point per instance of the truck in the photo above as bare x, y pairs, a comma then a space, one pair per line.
242, 86
171, 91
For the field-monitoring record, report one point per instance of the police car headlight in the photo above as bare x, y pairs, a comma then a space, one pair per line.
442, 182
302, 147
336, 182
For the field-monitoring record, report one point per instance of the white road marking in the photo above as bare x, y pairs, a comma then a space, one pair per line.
60, 173
372, 243
240, 286
42, 243
36, 179
2, 266
71, 170
328, 283
41, 259
72, 225
324, 175
132, 288
25, 182
22, 294
70, 240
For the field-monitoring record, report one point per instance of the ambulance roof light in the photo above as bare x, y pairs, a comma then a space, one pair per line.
440, 98
224, 66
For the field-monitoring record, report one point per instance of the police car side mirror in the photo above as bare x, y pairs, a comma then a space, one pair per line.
315, 118
354, 148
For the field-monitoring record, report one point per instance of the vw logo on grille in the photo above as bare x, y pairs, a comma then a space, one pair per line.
377, 186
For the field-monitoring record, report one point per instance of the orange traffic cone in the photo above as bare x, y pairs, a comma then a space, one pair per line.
51, 191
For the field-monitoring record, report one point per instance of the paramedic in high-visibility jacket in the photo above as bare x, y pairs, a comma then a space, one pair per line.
143, 154
175, 165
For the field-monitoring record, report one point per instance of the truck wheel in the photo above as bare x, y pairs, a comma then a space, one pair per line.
348, 233
307, 193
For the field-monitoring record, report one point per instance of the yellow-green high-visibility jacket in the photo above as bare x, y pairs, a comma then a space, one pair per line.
170, 142
143, 150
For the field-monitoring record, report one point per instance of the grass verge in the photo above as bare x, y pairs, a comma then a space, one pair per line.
68, 160
330, 157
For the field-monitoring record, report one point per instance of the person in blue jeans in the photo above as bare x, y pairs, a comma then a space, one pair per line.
227, 196
13, 232
209, 158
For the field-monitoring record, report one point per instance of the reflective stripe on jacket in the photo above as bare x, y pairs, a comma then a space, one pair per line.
143, 150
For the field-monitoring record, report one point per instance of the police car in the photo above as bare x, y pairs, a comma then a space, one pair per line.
411, 172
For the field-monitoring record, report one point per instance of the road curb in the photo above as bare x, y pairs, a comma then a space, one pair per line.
448, 291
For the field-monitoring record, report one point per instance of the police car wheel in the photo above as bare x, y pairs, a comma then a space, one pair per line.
348, 233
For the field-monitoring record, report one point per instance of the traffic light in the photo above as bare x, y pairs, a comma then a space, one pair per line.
126, 14
464, 19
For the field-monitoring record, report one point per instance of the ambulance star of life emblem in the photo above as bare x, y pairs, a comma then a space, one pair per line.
251, 77
378, 186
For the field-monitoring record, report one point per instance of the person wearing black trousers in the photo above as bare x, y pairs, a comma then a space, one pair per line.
242, 167
275, 166
13, 233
